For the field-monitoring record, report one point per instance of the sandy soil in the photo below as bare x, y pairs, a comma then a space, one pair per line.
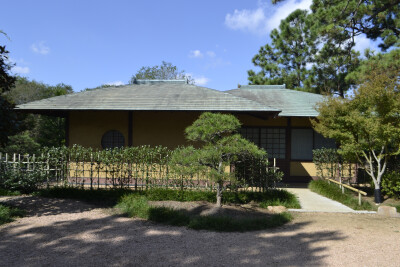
58, 232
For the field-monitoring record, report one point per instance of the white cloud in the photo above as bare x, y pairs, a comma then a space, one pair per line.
196, 54
265, 17
40, 48
198, 80
201, 80
284, 10
20, 70
116, 83
362, 43
247, 20
199, 54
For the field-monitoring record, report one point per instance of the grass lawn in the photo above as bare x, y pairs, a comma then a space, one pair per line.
135, 204
272, 197
7, 214
138, 206
333, 191
5, 192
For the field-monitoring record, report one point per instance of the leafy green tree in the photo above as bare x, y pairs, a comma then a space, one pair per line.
221, 145
285, 60
98, 87
386, 62
165, 71
7, 118
367, 126
22, 143
337, 23
332, 65
350, 18
374, 18
43, 130
26, 91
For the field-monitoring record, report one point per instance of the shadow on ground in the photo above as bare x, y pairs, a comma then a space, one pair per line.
39, 206
96, 238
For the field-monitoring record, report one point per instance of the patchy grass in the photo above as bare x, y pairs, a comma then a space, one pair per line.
137, 206
272, 197
333, 191
7, 214
106, 197
398, 208
5, 192
227, 224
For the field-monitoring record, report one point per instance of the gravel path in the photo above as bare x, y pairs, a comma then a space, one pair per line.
71, 233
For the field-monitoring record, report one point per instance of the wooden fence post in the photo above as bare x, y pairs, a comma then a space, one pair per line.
14, 161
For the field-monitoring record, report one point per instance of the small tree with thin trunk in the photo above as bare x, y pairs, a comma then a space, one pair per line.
221, 145
367, 126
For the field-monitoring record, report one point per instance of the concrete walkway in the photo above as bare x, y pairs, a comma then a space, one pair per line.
312, 202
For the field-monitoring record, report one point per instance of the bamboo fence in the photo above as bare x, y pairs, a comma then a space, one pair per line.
140, 170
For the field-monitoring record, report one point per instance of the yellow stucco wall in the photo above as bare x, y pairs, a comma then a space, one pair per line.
149, 127
86, 128
302, 169
161, 128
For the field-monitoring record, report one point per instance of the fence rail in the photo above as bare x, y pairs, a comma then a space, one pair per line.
342, 186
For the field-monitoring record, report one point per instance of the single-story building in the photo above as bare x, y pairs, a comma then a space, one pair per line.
156, 112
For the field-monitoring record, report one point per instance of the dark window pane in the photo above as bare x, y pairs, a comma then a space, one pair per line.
112, 139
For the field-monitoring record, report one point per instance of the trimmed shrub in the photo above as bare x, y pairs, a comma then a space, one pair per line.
391, 184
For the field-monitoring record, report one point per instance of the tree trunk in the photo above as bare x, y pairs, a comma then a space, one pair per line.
376, 175
377, 196
219, 195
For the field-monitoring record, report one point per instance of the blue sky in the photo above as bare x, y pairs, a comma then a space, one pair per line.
89, 43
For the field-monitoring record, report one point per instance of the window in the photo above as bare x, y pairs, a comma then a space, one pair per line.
112, 139
302, 144
273, 140
303, 141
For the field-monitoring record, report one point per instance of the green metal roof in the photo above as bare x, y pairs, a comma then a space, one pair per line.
178, 95
173, 95
291, 102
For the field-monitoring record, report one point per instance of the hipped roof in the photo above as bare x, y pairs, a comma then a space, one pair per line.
176, 95
292, 103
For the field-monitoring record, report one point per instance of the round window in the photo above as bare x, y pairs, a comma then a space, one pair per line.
112, 139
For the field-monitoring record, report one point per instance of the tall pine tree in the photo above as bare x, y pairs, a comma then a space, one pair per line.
286, 60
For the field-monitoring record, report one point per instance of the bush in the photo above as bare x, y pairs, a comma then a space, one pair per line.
21, 180
391, 184
326, 161
5, 192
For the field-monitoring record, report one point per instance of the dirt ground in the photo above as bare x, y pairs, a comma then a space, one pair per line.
57, 232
